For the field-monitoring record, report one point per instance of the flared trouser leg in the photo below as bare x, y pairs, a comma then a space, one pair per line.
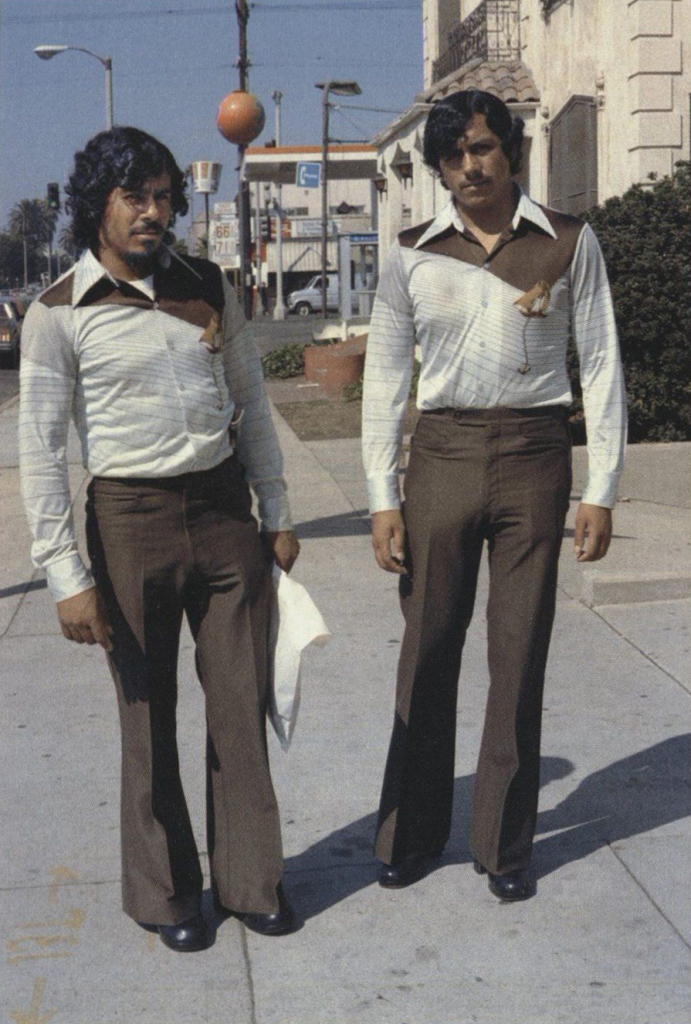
505, 480
157, 551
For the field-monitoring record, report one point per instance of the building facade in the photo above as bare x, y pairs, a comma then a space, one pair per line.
602, 85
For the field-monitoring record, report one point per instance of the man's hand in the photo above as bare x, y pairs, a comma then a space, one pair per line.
82, 619
285, 548
388, 540
592, 533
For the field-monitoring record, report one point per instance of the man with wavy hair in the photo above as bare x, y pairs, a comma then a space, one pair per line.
150, 358
491, 290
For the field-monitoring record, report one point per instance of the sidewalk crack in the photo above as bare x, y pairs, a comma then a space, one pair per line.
248, 969
645, 892
640, 650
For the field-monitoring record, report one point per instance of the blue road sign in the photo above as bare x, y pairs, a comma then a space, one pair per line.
308, 174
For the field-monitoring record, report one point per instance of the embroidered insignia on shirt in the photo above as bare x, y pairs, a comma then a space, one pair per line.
536, 301
212, 338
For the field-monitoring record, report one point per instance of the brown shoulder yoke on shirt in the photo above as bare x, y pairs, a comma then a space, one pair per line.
60, 293
411, 236
182, 294
521, 257
190, 296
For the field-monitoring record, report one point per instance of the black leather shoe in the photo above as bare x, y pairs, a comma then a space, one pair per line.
186, 937
280, 923
509, 888
411, 869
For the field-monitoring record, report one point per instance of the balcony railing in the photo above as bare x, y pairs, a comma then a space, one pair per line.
490, 32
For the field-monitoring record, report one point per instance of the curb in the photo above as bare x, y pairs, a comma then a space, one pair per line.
624, 588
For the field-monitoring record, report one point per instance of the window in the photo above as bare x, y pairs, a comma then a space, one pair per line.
573, 157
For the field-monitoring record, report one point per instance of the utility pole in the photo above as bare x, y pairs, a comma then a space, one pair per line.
279, 308
325, 192
243, 16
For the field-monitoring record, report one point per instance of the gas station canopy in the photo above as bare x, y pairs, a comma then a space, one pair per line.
279, 163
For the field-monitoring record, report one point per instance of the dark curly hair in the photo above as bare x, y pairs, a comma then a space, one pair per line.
125, 157
448, 119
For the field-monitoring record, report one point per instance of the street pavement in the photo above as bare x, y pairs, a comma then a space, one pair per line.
607, 938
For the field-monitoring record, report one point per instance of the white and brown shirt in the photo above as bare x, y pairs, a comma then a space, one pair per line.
153, 373
493, 332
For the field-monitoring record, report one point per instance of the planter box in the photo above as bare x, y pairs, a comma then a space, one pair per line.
334, 366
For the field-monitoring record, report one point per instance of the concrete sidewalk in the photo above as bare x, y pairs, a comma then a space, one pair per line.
606, 940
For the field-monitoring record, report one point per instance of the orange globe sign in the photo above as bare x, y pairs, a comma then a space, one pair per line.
240, 117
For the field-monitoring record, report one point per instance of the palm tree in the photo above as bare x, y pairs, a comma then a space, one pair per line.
32, 219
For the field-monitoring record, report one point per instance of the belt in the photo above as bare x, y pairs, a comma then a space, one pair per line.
499, 412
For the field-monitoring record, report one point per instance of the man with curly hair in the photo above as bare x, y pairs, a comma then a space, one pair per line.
491, 290
149, 357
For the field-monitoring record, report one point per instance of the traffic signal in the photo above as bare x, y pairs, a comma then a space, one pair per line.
265, 227
53, 195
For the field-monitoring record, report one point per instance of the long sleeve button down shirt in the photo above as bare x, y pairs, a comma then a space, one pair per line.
153, 374
439, 289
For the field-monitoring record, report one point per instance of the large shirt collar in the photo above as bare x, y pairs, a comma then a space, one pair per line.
88, 271
526, 209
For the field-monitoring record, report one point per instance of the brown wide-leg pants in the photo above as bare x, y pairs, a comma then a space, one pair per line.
161, 548
504, 476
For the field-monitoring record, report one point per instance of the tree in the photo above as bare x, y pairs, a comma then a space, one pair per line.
33, 222
11, 261
645, 240
67, 243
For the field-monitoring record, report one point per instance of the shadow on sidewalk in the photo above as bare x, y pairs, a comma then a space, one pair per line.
631, 796
346, 524
627, 798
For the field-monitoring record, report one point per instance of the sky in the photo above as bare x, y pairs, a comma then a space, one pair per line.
174, 61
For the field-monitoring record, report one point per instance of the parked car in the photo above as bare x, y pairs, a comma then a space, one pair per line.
10, 331
308, 299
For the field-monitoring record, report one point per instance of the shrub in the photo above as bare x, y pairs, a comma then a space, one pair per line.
644, 236
288, 361
353, 392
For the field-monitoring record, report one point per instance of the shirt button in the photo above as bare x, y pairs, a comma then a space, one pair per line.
485, 305
482, 345
485, 265
181, 387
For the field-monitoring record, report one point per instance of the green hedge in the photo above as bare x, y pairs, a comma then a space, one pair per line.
284, 362
645, 235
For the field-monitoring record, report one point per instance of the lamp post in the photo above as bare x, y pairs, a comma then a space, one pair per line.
46, 52
279, 308
340, 88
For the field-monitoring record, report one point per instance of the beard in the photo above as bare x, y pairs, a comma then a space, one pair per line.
143, 263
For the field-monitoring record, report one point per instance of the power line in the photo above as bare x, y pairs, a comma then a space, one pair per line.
349, 120
338, 5
368, 6
354, 106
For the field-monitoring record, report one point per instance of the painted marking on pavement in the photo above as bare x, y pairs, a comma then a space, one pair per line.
33, 1015
59, 876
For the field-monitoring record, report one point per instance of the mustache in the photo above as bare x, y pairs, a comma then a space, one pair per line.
148, 230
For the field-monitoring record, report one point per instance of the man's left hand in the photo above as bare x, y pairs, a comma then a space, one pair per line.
592, 532
285, 547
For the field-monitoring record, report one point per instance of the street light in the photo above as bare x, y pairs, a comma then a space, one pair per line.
340, 89
48, 52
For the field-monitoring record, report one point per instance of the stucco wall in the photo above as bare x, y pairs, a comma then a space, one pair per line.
629, 56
